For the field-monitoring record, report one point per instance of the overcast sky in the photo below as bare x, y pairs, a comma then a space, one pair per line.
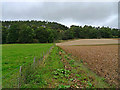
67, 13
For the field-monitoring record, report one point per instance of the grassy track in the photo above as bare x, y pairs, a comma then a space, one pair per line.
43, 73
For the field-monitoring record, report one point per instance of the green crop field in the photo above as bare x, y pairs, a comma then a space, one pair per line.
15, 55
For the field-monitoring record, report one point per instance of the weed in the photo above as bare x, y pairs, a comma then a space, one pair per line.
73, 65
59, 73
69, 54
66, 57
61, 80
71, 61
71, 79
79, 79
55, 77
103, 79
81, 61
89, 85
78, 75
64, 86
62, 51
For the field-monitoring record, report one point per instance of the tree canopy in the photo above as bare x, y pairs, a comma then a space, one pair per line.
47, 32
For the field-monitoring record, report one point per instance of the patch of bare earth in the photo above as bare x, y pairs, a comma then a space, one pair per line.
101, 59
90, 42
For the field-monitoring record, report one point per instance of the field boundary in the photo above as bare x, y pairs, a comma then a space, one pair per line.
33, 66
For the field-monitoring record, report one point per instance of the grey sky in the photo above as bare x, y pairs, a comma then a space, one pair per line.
67, 13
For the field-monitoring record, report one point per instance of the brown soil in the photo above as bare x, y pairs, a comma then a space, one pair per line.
101, 59
89, 42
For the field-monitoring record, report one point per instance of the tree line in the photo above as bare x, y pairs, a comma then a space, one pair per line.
48, 32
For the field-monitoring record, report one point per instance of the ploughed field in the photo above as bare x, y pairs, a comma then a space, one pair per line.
90, 42
102, 59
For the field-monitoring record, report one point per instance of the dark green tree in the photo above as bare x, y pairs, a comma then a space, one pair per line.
26, 35
4, 34
41, 34
52, 34
13, 34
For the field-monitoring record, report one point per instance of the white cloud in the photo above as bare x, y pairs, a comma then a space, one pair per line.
77, 13
112, 21
59, 0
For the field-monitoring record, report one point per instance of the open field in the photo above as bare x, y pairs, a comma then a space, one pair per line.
99, 56
15, 55
90, 42
57, 70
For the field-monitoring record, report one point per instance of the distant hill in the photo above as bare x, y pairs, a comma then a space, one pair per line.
47, 32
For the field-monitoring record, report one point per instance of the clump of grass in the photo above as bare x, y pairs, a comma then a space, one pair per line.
81, 61
89, 84
71, 61
69, 54
66, 57
63, 86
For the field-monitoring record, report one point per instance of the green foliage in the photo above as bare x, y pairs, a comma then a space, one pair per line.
71, 79
64, 86
31, 31
81, 61
69, 54
66, 57
77, 75
59, 73
89, 85
71, 61
62, 51
52, 35
43, 32
4, 34
103, 79
13, 33
26, 35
